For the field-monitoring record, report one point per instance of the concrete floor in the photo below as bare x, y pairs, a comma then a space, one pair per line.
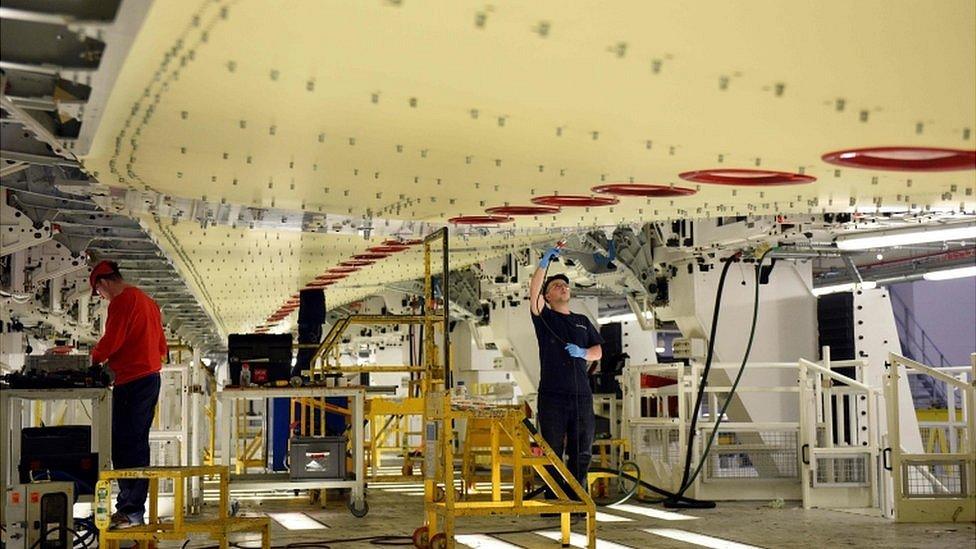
749, 523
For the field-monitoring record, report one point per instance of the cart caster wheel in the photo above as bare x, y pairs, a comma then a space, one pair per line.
439, 541
439, 494
421, 538
358, 512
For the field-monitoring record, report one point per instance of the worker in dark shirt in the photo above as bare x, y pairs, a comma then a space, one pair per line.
133, 346
567, 341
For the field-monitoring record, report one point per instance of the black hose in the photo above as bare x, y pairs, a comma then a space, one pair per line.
50, 531
689, 479
742, 368
622, 475
708, 366
691, 502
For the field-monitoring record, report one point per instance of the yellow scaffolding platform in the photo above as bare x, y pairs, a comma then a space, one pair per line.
513, 443
390, 419
216, 528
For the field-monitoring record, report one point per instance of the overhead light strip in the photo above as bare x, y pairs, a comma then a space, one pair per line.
849, 287
907, 236
949, 274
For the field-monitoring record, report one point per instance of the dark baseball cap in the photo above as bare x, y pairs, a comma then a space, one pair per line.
545, 287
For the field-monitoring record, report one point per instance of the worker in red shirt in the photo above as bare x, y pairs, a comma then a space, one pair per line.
133, 347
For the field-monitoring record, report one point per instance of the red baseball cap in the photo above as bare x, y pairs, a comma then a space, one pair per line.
103, 268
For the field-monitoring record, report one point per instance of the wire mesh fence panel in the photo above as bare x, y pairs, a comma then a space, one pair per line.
844, 470
659, 444
767, 455
933, 479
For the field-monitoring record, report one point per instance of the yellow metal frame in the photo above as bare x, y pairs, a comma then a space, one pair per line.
390, 419
250, 444
179, 529
514, 444
508, 428
210, 410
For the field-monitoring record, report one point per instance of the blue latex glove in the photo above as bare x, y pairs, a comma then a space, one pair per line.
551, 253
575, 351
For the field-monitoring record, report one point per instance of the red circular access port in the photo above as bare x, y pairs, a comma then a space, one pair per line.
746, 177
388, 248
343, 270
320, 283
523, 210
904, 159
480, 219
357, 263
574, 200
370, 257
331, 276
641, 189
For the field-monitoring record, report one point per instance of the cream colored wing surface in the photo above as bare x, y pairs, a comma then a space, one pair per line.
428, 110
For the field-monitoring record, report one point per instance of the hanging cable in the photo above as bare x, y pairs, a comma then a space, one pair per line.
688, 478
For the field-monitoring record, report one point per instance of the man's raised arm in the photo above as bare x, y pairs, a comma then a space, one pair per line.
536, 302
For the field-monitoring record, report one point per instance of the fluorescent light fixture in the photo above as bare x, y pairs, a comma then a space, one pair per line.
481, 541
849, 287
698, 539
608, 517
579, 540
650, 512
906, 236
659, 349
624, 317
949, 274
297, 521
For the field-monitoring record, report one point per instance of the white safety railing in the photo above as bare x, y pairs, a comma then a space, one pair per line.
840, 425
829, 456
928, 486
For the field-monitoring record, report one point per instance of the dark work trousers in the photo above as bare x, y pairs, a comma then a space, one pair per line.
566, 423
133, 407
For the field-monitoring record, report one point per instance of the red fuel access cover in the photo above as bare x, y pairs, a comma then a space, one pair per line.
523, 210
746, 177
645, 190
370, 257
343, 270
388, 248
356, 262
574, 200
480, 219
904, 159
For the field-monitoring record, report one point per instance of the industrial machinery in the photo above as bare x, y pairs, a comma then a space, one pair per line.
58, 372
39, 515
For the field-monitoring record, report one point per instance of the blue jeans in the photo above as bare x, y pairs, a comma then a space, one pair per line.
133, 407
566, 423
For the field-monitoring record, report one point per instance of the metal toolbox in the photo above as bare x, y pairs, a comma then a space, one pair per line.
317, 458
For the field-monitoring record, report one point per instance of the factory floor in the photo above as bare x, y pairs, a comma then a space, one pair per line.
397, 511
